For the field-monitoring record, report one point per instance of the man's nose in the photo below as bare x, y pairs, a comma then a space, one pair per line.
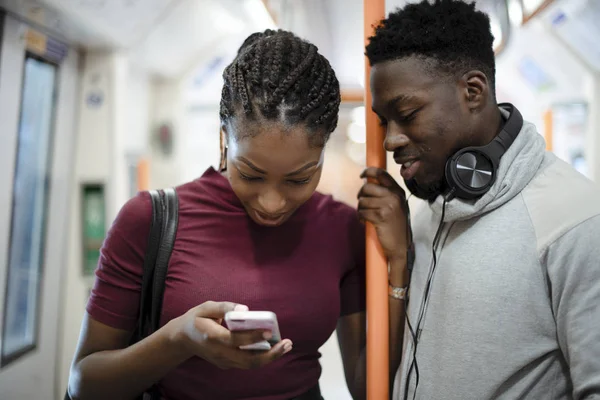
395, 138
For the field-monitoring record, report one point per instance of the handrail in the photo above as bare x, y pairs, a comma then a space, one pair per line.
377, 271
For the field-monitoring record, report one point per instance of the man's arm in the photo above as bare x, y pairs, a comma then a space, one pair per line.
351, 334
573, 267
398, 278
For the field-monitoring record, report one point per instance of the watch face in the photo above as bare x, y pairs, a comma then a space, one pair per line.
396, 292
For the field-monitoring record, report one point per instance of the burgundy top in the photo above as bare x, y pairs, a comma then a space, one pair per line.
309, 271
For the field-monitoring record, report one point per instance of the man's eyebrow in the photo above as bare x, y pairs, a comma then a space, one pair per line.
401, 99
396, 102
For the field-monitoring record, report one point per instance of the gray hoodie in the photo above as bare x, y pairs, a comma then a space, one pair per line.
514, 307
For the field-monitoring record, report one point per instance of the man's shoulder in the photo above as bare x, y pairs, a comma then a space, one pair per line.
558, 199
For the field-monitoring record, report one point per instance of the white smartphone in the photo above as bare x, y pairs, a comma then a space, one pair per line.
252, 320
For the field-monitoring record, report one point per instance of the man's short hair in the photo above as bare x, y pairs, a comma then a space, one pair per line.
451, 35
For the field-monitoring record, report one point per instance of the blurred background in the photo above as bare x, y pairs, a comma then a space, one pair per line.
102, 98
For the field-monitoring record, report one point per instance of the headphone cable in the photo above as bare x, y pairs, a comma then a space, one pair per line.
415, 334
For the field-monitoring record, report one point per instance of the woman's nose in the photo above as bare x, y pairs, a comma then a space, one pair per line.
272, 202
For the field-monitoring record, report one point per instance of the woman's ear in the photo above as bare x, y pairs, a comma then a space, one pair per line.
224, 134
223, 138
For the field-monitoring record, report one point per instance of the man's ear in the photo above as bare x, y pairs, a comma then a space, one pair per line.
475, 89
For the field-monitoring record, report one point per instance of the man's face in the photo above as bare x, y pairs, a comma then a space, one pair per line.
426, 117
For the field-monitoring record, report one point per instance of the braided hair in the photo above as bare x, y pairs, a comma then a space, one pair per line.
277, 76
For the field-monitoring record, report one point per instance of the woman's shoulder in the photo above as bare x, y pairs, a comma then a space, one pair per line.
341, 224
326, 202
211, 191
136, 212
135, 216
326, 206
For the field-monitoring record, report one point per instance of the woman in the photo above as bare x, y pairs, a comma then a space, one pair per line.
253, 235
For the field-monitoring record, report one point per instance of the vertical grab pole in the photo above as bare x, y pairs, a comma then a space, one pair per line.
143, 175
377, 270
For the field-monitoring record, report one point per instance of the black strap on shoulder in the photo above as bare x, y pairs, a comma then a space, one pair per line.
170, 209
161, 238
152, 246
165, 219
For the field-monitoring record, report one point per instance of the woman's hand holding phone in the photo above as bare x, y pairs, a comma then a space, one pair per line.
199, 333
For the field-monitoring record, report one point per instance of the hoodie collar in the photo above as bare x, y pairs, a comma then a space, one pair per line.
517, 168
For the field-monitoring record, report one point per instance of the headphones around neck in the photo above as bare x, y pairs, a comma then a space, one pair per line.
471, 172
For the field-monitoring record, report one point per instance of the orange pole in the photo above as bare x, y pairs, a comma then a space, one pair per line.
377, 270
143, 175
548, 129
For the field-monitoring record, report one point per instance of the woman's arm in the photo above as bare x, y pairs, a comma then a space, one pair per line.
104, 368
352, 339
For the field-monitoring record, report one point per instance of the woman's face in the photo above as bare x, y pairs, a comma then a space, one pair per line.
272, 167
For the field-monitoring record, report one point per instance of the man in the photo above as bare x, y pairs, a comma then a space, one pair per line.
504, 298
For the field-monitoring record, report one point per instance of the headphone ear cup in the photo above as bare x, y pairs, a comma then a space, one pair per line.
450, 181
470, 173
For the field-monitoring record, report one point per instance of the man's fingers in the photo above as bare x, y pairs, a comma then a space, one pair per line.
374, 190
381, 175
371, 172
372, 203
372, 195
383, 178
217, 310
373, 215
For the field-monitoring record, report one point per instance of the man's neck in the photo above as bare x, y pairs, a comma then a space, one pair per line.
493, 125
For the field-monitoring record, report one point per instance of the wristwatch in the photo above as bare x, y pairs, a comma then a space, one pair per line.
398, 293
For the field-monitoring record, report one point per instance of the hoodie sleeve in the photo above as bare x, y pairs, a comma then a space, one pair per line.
573, 266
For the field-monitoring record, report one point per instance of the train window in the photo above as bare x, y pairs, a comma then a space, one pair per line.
29, 209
